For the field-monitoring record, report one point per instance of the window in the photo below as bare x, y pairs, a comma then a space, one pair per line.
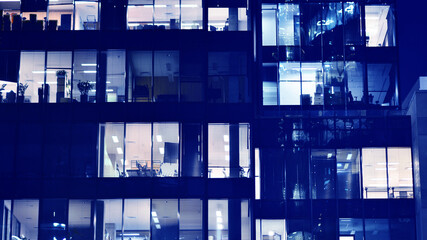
380, 28
136, 218
140, 76
112, 143
289, 24
166, 76
269, 84
351, 229
289, 83
165, 221
53, 218
33, 21
400, 173
80, 219
190, 219
60, 15
31, 76
25, 219
58, 77
228, 150
377, 229
9, 70
323, 172
382, 84
114, 75
191, 14
355, 83
84, 76
269, 24
348, 173
86, 15
228, 19
374, 173
112, 212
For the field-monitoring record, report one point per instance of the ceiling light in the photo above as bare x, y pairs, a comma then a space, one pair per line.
154, 214
219, 219
88, 64
89, 71
271, 233
218, 213
220, 226
110, 90
162, 150
130, 234
329, 155
158, 226
115, 139
227, 148
119, 150
156, 220
159, 138
349, 156
226, 138
227, 157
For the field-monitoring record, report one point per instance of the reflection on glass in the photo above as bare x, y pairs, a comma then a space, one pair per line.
382, 84
289, 24
53, 218
190, 219
377, 229
355, 76
269, 26
166, 76
380, 29
348, 173
312, 84
228, 150
191, 164
140, 75
323, 174
218, 219
374, 173
400, 173
24, 219
136, 219
80, 219
84, 76
269, 84
351, 229
334, 83
352, 24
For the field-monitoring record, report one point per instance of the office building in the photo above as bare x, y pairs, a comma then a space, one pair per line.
203, 119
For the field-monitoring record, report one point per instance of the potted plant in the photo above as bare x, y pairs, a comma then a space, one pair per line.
61, 76
84, 88
21, 92
1, 89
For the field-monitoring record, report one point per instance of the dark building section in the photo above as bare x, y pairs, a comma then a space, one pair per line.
203, 120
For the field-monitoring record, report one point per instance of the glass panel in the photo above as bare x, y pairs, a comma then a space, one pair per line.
25, 219
289, 24
192, 165
60, 15
140, 16
115, 75
351, 229
355, 83
269, 84
136, 219
219, 150
111, 158
323, 170
311, 24
84, 76
380, 29
164, 224
58, 77
167, 14
80, 219
190, 219
11, 19
381, 84
244, 150
289, 83
166, 76
192, 76
218, 219
312, 84
86, 15
245, 228
374, 173
348, 173
269, 24
138, 150
334, 83
227, 19
377, 229
140, 75
53, 218
111, 211
273, 229
400, 173
297, 165
191, 14
31, 77
242, 24
352, 24
9, 71
34, 21
166, 149
299, 229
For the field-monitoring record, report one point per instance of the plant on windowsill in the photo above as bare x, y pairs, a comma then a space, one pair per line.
84, 88
21, 92
1, 89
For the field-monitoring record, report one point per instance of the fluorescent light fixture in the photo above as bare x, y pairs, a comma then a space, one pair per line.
88, 64
154, 214
42, 72
271, 233
89, 71
47, 82
329, 155
186, 5
119, 150
160, 6
226, 138
93, 90
378, 179
227, 148
218, 213
349, 156
220, 226
133, 24
227, 158
380, 169
393, 163
115, 139
155, 220
162, 150
10, 0
219, 219
130, 234
158, 226
110, 90
55, 224
159, 138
